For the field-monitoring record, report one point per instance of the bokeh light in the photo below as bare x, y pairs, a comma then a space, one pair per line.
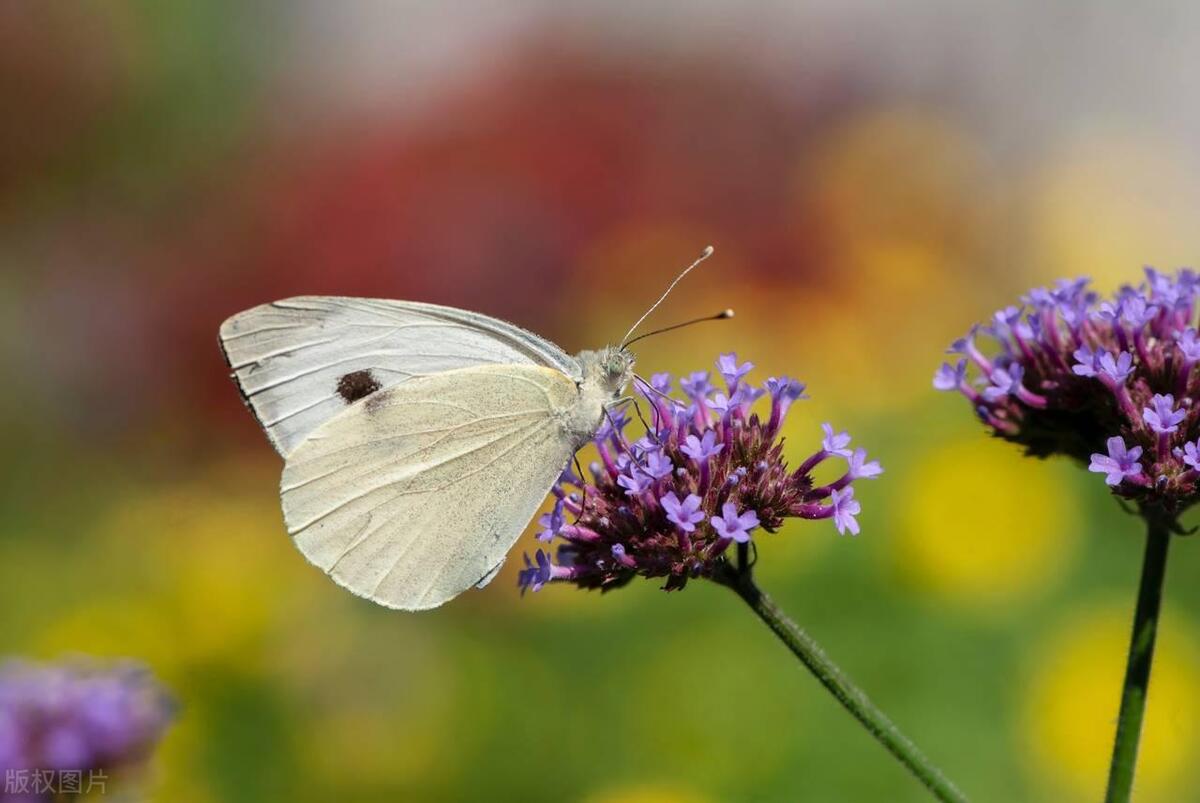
983, 526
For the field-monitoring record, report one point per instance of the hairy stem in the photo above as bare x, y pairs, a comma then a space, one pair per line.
1137, 668
840, 686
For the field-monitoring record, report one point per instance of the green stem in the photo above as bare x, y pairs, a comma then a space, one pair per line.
843, 689
1137, 670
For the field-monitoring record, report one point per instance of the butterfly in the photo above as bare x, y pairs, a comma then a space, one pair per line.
418, 440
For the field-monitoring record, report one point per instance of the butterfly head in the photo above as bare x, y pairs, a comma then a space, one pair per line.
616, 368
610, 369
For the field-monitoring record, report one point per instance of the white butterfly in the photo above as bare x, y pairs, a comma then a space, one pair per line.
418, 440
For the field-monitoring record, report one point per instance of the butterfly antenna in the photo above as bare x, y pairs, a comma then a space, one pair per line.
703, 256
723, 315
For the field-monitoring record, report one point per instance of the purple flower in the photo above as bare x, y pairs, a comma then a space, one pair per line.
721, 403
964, 345
1161, 415
731, 371
845, 508
1189, 345
1142, 344
835, 444
535, 575
661, 382
747, 395
686, 514
1136, 312
861, 469
1191, 455
785, 389
1004, 382
702, 448
1003, 320
1162, 288
635, 482
732, 525
1109, 311
1119, 463
1117, 369
950, 378
1087, 362
657, 464
696, 385
552, 522
79, 717
619, 554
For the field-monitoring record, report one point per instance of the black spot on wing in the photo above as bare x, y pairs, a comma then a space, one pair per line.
357, 385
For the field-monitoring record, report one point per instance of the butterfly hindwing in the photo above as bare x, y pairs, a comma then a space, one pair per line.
412, 495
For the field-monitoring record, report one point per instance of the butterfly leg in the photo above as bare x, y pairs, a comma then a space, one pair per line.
584, 485
651, 431
608, 412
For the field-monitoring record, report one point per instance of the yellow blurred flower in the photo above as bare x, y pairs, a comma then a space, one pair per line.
982, 525
1070, 701
206, 568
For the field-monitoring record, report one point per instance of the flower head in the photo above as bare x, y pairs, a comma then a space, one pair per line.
709, 474
1110, 382
79, 717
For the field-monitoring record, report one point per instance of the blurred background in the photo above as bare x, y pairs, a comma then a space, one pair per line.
874, 176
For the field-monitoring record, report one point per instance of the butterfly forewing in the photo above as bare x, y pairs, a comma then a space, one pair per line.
301, 361
414, 494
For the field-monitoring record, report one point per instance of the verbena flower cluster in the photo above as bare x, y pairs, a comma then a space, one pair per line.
78, 717
1110, 381
708, 472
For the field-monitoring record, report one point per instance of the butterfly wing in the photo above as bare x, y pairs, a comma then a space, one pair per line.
415, 494
301, 361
